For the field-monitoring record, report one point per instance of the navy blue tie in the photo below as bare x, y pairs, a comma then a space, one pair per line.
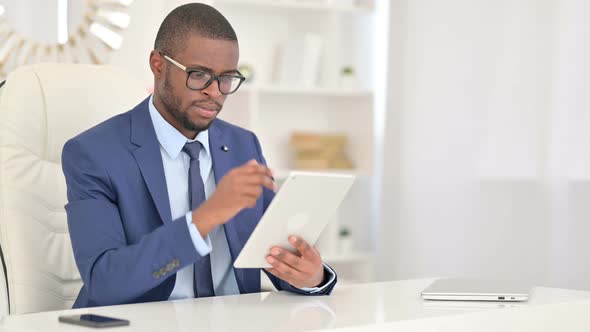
203, 281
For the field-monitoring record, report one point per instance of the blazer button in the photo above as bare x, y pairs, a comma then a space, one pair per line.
156, 275
169, 267
162, 271
176, 263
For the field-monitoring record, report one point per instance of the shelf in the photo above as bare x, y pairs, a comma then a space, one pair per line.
298, 4
348, 258
316, 91
283, 173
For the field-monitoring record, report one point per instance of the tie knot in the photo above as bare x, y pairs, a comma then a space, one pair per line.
192, 149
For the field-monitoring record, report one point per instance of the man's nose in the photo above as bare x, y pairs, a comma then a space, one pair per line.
212, 90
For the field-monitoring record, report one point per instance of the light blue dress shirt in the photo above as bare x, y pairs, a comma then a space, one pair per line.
176, 168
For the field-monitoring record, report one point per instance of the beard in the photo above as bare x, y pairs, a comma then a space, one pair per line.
172, 105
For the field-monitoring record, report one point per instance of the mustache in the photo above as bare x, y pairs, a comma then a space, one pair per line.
208, 104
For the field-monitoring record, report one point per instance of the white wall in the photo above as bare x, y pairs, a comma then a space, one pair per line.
138, 38
480, 96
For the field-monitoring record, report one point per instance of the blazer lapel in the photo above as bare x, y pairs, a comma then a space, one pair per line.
149, 159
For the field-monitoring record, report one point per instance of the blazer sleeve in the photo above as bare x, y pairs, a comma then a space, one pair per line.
114, 271
280, 284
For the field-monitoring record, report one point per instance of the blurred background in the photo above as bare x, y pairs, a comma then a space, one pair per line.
465, 121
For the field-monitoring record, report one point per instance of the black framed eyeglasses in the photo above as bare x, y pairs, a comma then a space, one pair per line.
198, 80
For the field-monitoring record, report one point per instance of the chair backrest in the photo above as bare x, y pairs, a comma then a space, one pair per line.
41, 107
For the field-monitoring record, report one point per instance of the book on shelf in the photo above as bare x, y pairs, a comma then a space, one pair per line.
298, 62
320, 151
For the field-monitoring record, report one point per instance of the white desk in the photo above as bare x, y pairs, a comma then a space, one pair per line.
376, 306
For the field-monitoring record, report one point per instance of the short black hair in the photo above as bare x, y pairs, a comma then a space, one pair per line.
197, 18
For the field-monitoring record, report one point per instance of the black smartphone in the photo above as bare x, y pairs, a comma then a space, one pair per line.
93, 320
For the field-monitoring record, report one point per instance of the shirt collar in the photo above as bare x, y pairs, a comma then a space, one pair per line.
169, 137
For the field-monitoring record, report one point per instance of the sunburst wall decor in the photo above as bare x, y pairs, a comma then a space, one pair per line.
99, 33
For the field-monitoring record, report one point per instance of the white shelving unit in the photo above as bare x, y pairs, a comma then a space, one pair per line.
318, 5
273, 110
309, 92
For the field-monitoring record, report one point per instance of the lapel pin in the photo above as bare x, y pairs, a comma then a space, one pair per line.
224, 148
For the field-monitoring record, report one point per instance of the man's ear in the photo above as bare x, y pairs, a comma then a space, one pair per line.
156, 64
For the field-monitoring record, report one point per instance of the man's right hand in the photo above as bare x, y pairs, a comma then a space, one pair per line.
240, 188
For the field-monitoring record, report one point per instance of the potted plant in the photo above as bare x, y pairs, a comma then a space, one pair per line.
345, 239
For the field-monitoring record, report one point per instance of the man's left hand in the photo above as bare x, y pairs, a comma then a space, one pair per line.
303, 269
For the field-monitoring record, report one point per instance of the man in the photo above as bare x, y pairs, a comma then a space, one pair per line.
161, 199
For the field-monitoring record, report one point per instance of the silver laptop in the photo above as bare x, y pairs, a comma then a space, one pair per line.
459, 289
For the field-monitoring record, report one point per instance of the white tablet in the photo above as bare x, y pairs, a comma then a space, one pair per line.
303, 206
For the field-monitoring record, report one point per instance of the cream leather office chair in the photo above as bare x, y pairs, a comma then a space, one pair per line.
42, 106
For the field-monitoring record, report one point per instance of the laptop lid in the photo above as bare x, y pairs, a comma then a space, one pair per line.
463, 289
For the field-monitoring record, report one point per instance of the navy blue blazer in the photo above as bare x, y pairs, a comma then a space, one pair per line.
126, 245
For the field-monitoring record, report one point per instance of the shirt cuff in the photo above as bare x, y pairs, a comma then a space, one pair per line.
332, 276
203, 246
